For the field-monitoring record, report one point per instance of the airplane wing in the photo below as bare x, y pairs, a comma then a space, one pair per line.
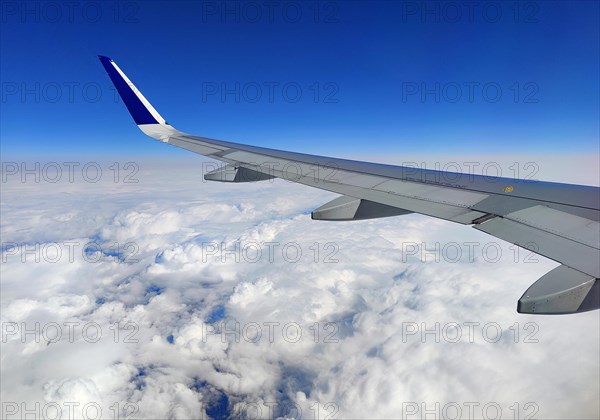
558, 221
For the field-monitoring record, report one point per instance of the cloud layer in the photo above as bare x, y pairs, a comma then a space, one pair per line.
171, 297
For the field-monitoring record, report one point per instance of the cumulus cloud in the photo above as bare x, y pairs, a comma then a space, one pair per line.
171, 297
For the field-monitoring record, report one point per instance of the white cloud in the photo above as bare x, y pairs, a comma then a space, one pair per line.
320, 317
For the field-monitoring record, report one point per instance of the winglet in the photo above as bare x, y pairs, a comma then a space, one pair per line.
140, 109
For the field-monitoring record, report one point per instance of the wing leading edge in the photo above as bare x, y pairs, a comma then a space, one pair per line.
558, 221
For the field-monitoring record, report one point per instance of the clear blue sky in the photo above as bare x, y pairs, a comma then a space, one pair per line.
361, 68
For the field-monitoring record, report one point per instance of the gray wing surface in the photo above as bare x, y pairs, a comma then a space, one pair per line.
558, 221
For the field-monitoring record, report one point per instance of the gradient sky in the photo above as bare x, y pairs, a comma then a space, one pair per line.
369, 63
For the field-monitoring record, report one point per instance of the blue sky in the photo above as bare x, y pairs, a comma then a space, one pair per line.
337, 78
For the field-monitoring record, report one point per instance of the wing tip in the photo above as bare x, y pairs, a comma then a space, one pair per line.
104, 59
140, 109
